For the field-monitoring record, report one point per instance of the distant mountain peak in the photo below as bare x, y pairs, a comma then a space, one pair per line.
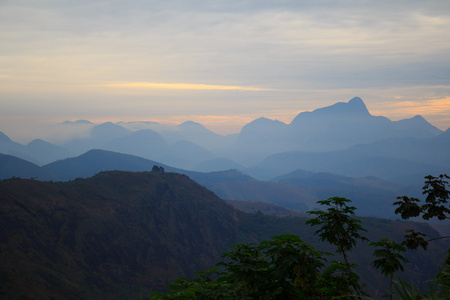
38, 142
108, 126
77, 122
353, 108
108, 131
266, 121
417, 123
418, 117
191, 123
356, 100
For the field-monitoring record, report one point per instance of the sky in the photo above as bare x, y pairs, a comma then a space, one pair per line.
219, 63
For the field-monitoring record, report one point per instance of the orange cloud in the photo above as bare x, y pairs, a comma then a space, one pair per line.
428, 107
184, 86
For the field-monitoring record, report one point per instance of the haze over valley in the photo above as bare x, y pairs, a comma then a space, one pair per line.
341, 149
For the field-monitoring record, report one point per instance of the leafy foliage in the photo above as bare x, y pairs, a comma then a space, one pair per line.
338, 227
283, 267
435, 201
435, 206
341, 230
388, 260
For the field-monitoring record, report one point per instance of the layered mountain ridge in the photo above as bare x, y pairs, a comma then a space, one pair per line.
343, 139
331, 128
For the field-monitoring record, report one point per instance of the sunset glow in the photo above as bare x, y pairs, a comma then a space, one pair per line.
220, 63
429, 107
183, 86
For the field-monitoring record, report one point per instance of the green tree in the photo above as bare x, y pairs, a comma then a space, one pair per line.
295, 267
436, 205
340, 229
388, 259
283, 267
246, 269
436, 189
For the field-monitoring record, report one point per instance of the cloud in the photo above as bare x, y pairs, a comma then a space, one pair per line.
428, 107
183, 86
282, 44
270, 58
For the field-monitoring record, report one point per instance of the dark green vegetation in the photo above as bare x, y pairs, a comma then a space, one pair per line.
123, 235
285, 267
112, 234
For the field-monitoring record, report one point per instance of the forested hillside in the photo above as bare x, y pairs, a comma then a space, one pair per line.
109, 235
122, 235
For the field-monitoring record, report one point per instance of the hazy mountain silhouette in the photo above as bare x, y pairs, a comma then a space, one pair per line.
37, 151
8, 146
350, 162
145, 143
94, 161
258, 139
416, 126
11, 166
404, 160
100, 136
289, 190
185, 154
217, 164
343, 138
197, 133
366, 193
431, 150
108, 131
230, 184
46, 152
149, 144
335, 127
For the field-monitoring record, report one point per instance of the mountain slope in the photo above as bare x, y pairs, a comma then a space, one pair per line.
95, 161
95, 238
289, 191
432, 150
11, 166
46, 152
100, 135
350, 162
231, 184
144, 143
372, 196
217, 164
9, 147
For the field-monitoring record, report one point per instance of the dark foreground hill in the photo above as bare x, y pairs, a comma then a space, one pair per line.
107, 235
120, 235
